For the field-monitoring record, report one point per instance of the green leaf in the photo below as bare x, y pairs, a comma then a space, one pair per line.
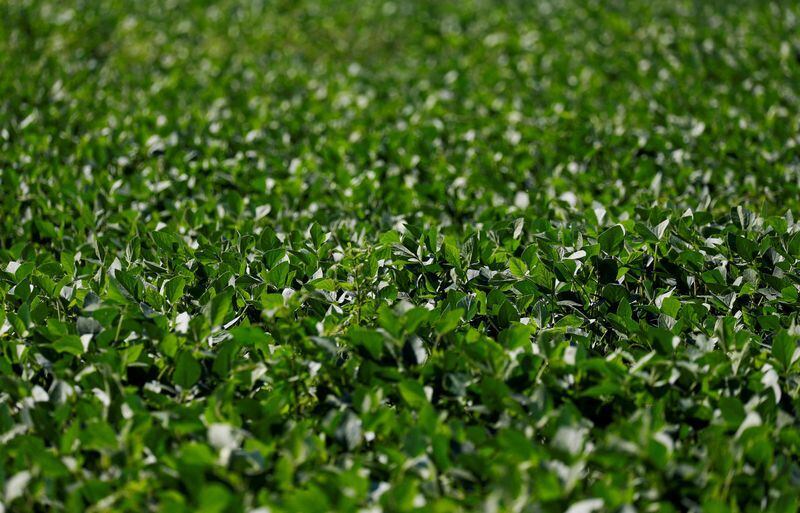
449, 321
69, 344
611, 239
370, 340
174, 289
671, 306
323, 284
413, 393
785, 348
732, 410
219, 306
187, 370
451, 253
517, 267
214, 498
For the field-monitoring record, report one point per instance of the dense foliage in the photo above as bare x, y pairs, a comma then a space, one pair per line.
279, 256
